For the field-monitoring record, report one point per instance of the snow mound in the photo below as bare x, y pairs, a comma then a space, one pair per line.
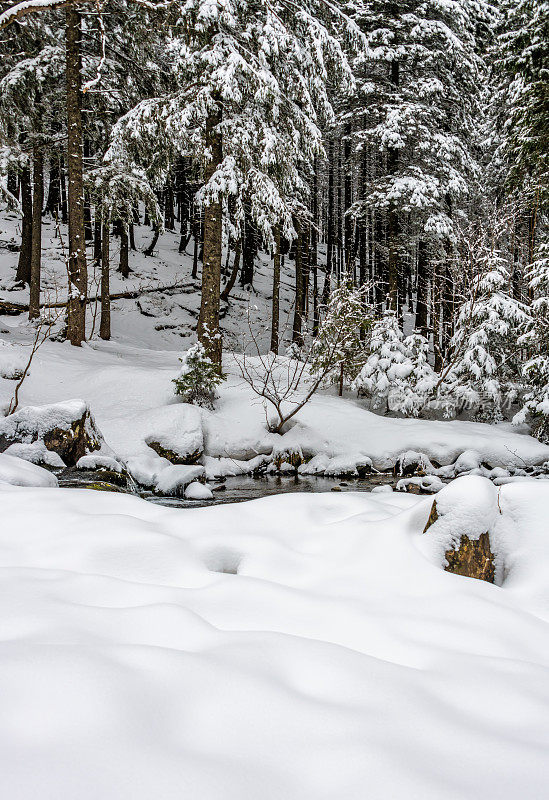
18, 472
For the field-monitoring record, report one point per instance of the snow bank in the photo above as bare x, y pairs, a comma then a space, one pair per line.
300, 646
18, 472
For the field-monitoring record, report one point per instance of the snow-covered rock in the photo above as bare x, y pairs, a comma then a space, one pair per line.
18, 472
66, 428
198, 491
13, 360
176, 433
99, 461
174, 479
146, 469
37, 453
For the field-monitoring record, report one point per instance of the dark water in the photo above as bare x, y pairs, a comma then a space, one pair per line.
236, 490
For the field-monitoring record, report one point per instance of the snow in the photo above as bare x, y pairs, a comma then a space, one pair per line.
198, 491
172, 480
18, 472
299, 646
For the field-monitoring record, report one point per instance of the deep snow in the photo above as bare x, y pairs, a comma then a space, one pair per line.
300, 646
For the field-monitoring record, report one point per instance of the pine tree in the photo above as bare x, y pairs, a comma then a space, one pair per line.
340, 344
199, 378
386, 365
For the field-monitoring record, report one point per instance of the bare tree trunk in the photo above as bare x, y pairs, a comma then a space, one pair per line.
78, 279
24, 263
208, 322
36, 250
275, 316
234, 273
330, 224
124, 264
105, 323
297, 333
393, 221
421, 304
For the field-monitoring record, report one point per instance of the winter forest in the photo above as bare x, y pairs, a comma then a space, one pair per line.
274, 399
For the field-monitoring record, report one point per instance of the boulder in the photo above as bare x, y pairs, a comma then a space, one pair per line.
67, 429
411, 463
176, 434
17, 472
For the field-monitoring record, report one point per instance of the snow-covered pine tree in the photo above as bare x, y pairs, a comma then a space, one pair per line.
536, 341
199, 378
339, 349
483, 372
387, 364
252, 88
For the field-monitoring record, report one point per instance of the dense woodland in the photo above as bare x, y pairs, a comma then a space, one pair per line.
395, 154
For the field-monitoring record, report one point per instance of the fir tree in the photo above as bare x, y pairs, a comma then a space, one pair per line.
199, 378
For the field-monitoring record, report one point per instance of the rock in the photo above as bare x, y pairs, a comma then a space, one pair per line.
385, 489
198, 491
176, 434
411, 463
220, 488
429, 484
473, 559
67, 429
336, 489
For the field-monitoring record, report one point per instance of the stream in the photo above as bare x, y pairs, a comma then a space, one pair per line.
232, 490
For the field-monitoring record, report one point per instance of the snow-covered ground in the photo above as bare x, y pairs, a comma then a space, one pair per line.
301, 646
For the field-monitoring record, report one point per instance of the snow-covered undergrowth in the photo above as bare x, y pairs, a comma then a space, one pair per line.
130, 394
301, 646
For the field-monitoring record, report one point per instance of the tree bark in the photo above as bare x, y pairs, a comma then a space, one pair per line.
36, 249
124, 264
421, 304
24, 263
275, 316
105, 323
208, 321
234, 273
78, 279
297, 334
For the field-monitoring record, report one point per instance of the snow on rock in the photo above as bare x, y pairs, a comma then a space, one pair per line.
230, 467
146, 469
174, 479
18, 472
99, 461
37, 453
469, 506
428, 483
66, 428
298, 646
413, 463
198, 491
175, 433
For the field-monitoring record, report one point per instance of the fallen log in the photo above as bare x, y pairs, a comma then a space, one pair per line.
8, 308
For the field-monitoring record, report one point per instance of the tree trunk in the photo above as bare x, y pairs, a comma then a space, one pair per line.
24, 263
297, 334
124, 264
421, 304
54, 196
105, 323
208, 321
275, 316
330, 225
393, 220
36, 250
234, 273
78, 279
13, 183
